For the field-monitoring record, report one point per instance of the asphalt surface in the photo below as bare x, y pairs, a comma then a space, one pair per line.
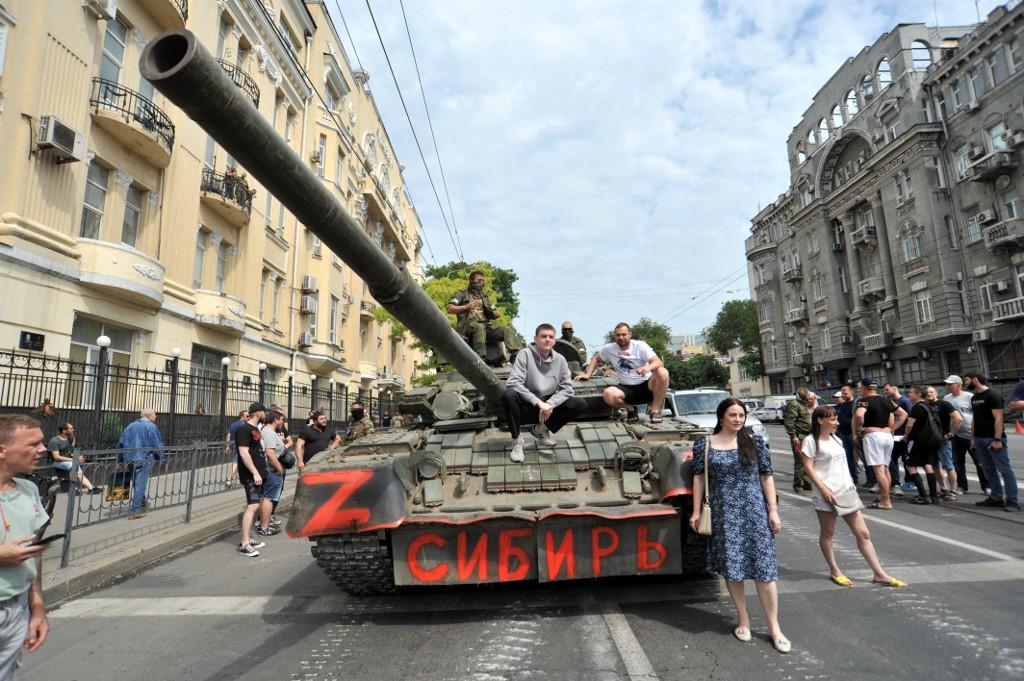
212, 614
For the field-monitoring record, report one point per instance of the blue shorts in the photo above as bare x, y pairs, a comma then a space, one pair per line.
62, 465
273, 486
946, 456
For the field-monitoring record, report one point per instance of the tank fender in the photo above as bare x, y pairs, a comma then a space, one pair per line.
350, 499
672, 463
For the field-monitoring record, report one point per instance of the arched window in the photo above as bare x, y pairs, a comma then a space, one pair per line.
811, 140
867, 87
822, 130
884, 74
837, 117
911, 242
852, 105
921, 55
801, 156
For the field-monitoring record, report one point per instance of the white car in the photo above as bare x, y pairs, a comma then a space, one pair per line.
698, 407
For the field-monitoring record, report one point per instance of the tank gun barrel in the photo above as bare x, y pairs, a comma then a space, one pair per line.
178, 65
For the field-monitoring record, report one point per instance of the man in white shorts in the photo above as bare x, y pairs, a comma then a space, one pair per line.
874, 418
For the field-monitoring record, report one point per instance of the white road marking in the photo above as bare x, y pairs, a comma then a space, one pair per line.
913, 530
638, 667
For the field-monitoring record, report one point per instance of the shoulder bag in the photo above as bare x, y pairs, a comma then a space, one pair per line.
704, 525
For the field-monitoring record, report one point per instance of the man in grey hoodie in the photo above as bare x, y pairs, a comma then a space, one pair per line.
539, 390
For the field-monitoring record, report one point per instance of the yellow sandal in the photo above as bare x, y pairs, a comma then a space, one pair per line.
891, 582
842, 580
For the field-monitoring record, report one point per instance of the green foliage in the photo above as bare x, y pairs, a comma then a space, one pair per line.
110, 432
696, 371
651, 332
737, 326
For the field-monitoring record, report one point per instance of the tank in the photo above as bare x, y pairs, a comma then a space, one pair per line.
440, 502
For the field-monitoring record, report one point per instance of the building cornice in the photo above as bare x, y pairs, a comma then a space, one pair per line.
275, 58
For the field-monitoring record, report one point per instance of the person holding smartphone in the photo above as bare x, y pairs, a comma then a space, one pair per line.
23, 624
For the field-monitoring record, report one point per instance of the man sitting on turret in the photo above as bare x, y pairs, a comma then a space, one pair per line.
643, 378
569, 337
539, 390
475, 312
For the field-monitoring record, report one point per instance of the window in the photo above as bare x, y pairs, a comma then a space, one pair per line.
280, 220
801, 157
973, 229
954, 240
818, 286
940, 107
330, 98
766, 311
114, 40
907, 184
96, 182
813, 246
313, 314
921, 55
762, 273
899, 189
884, 74
923, 307
893, 129
822, 130
222, 266
1020, 279
275, 302
837, 117
6, 22
339, 166
1011, 205
826, 339
132, 216
263, 292
289, 125
958, 98
985, 297
317, 247
867, 87
1013, 55
994, 68
844, 284
202, 241
811, 139
321, 150
205, 371
332, 332
775, 352
852, 105
289, 36
977, 86
994, 136
84, 332
961, 161
912, 243
904, 188
913, 370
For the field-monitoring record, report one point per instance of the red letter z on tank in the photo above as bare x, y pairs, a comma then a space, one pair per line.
332, 516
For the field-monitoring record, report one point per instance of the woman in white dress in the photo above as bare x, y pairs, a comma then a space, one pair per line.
827, 469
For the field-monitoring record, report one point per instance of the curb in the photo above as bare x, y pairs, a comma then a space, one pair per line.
74, 581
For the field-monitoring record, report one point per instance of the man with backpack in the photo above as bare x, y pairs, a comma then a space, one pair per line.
924, 439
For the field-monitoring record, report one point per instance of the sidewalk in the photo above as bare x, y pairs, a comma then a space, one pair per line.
102, 552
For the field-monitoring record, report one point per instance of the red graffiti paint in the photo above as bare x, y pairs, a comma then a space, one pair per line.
426, 575
332, 515
563, 555
597, 550
476, 560
507, 551
644, 546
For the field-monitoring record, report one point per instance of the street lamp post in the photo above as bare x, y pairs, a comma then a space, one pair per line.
224, 362
330, 398
172, 368
101, 380
263, 377
291, 384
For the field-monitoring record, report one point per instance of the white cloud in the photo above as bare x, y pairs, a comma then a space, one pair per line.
594, 146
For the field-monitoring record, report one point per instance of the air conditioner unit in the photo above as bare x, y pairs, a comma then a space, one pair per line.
1002, 286
888, 364
837, 246
65, 142
985, 217
317, 249
102, 9
306, 339
924, 354
819, 367
973, 105
309, 284
981, 335
307, 305
845, 339
1013, 138
975, 152
315, 157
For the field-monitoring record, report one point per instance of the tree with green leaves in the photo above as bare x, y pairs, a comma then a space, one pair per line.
697, 371
737, 326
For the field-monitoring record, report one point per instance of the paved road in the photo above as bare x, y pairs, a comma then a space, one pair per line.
212, 614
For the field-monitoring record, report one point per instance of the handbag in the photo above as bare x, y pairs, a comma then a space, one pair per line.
704, 524
847, 502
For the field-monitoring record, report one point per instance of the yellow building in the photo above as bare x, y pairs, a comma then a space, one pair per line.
121, 217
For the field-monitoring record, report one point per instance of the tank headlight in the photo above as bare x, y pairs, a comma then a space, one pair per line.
429, 467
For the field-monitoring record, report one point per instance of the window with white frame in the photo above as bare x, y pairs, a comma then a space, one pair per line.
202, 242
826, 338
912, 243
317, 246
995, 68
961, 161
923, 307
1013, 54
339, 166
775, 352
818, 285
331, 98
957, 93
985, 297
940, 107
96, 182
321, 153
315, 303
975, 84
264, 278
132, 216
221, 275
893, 128
994, 137
115, 38
1011, 204
1020, 279
921, 55
6, 24
275, 301
973, 229
332, 332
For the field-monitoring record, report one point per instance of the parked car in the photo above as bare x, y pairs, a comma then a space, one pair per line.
774, 409
752, 404
698, 407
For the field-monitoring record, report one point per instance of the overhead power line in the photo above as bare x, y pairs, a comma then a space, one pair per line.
701, 300
676, 311
457, 246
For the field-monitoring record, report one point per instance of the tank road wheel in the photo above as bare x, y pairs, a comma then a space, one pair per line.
694, 550
358, 563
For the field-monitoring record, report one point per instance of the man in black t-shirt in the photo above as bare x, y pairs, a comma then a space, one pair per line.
949, 424
252, 470
314, 438
874, 418
989, 439
923, 442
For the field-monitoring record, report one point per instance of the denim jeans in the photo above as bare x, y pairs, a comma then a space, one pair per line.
140, 473
996, 463
851, 455
14, 617
961, 448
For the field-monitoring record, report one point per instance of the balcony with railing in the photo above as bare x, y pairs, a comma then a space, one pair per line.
322, 357
756, 244
379, 207
366, 309
872, 286
133, 120
220, 312
1005, 310
796, 315
228, 194
801, 359
242, 80
793, 273
1005, 233
877, 341
122, 272
169, 14
863, 236
991, 166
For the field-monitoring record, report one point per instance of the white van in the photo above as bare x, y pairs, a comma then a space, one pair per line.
774, 409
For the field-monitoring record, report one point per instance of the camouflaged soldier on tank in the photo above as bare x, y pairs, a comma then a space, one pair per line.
569, 337
361, 424
475, 313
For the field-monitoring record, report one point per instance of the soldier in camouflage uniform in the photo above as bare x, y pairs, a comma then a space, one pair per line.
475, 312
361, 425
575, 341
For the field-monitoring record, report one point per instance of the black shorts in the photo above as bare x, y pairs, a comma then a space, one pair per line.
637, 394
921, 455
253, 492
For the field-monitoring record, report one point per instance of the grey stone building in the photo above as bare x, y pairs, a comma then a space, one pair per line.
897, 250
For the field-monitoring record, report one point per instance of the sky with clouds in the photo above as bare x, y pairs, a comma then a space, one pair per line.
611, 153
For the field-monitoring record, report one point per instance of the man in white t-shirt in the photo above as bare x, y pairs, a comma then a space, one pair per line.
643, 379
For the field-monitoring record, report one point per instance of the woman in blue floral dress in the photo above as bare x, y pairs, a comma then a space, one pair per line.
744, 515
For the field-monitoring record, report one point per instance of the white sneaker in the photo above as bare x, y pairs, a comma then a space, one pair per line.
896, 491
517, 454
248, 551
543, 436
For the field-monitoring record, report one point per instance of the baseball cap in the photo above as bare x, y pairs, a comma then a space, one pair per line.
838, 393
869, 382
257, 406
953, 378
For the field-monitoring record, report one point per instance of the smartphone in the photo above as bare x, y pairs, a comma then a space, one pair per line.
43, 541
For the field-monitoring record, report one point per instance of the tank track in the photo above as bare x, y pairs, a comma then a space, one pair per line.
360, 564
695, 556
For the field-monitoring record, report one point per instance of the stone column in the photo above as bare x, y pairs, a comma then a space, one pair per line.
884, 252
853, 261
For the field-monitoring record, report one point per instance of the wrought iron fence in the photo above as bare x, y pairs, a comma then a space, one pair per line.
111, 96
232, 187
242, 80
101, 399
